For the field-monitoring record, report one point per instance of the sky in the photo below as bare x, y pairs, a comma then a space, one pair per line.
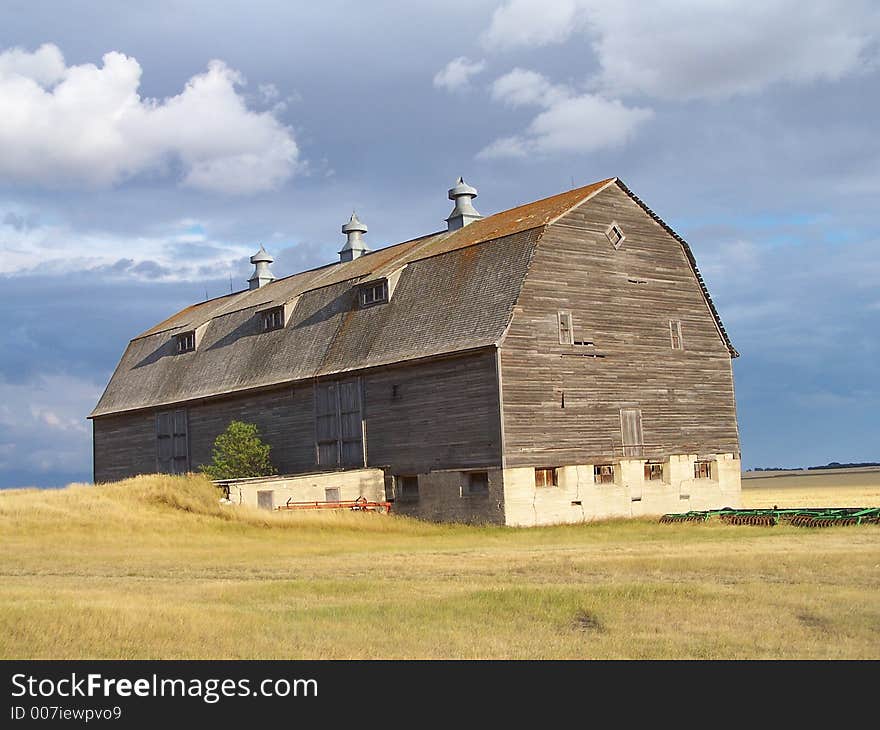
147, 150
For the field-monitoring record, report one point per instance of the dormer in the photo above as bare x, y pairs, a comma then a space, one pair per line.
275, 316
378, 290
189, 340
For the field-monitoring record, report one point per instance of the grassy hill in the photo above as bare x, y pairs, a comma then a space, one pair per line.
154, 567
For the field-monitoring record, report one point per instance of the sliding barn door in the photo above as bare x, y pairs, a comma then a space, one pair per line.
339, 429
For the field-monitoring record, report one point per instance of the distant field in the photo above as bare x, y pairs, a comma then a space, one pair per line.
154, 568
813, 488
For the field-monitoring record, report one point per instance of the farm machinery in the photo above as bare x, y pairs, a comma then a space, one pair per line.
361, 504
799, 517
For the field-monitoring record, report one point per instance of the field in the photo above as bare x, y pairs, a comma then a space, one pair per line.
154, 567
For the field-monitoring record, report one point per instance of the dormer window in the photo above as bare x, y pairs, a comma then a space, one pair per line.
273, 319
186, 342
374, 293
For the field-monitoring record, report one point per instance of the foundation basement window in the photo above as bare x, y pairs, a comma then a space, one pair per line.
653, 471
477, 483
702, 469
603, 473
406, 488
547, 476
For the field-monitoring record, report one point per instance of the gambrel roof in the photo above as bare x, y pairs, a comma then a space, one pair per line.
456, 291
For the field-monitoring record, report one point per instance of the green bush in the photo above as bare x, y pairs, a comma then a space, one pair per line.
239, 452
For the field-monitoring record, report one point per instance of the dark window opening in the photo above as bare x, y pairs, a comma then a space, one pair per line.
186, 342
702, 470
374, 293
603, 473
653, 471
478, 482
273, 319
407, 488
547, 476
615, 235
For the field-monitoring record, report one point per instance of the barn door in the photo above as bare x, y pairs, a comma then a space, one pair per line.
172, 442
631, 431
339, 432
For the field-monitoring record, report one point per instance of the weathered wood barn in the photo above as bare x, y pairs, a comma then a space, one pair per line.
556, 362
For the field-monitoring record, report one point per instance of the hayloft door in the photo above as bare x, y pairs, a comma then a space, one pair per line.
339, 423
172, 442
631, 431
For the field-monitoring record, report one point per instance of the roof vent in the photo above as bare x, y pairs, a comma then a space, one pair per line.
464, 211
262, 275
354, 245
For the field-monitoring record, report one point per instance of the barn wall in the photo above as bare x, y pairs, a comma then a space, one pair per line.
352, 484
120, 446
439, 415
443, 414
443, 498
622, 301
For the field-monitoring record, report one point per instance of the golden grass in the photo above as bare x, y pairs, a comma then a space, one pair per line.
818, 488
154, 567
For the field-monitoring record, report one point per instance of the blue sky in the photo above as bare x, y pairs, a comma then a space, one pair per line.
145, 153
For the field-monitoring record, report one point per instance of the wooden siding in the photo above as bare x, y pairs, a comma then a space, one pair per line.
419, 416
621, 300
441, 415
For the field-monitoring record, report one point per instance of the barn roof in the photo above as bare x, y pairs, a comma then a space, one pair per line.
456, 292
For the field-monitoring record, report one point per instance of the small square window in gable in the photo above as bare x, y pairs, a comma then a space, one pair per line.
614, 233
273, 319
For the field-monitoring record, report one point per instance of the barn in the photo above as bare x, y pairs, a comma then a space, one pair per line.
560, 361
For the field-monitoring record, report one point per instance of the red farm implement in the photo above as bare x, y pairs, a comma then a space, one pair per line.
361, 504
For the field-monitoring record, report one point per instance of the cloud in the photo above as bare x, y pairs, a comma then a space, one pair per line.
456, 75
68, 125
520, 23
570, 122
675, 49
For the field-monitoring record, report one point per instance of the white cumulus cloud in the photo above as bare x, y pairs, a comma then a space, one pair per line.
570, 121
65, 125
688, 49
456, 74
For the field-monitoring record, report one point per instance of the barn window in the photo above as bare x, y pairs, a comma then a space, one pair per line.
406, 488
331, 494
186, 341
675, 334
566, 333
172, 442
477, 483
702, 469
653, 471
546, 477
339, 423
603, 473
376, 293
615, 234
273, 319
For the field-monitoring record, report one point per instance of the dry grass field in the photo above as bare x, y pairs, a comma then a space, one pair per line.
153, 567
817, 488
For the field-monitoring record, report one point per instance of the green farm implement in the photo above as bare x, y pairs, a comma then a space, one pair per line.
799, 517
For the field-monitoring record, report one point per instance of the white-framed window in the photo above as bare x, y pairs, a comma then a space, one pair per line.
273, 319
186, 342
376, 293
675, 334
